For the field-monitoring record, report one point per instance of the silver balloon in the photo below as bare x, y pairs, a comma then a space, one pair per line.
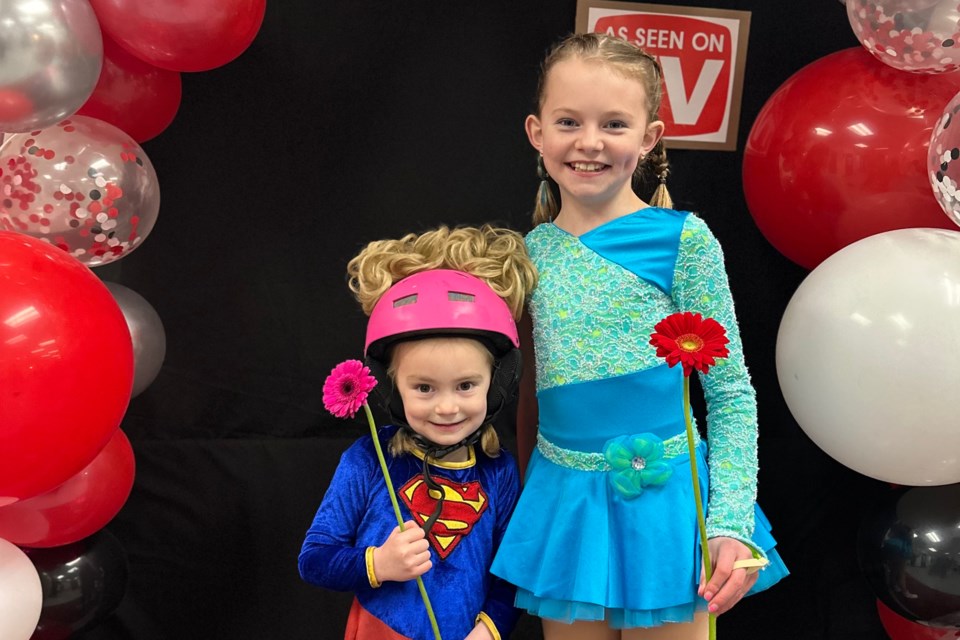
146, 331
51, 52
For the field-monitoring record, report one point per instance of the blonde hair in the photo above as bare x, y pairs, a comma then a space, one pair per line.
632, 62
496, 255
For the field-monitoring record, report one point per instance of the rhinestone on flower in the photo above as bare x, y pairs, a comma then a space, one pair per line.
636, 464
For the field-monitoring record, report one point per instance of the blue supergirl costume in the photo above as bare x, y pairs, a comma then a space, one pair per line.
356, 514
615, 537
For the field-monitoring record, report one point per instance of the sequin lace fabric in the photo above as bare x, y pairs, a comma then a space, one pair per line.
593, 319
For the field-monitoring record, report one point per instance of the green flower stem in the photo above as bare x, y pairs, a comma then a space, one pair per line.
701, 521
396, 511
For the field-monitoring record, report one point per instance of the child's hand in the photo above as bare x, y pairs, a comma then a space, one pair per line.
404, 556
727, 585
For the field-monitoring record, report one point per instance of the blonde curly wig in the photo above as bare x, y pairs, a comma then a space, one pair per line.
496, 255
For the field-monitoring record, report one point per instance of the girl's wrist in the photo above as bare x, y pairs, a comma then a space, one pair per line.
371, 570
485, 622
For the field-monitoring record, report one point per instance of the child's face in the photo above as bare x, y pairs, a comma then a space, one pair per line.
592, 131
443, 383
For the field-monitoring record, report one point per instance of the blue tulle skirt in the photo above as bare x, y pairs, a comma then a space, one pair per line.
577, 550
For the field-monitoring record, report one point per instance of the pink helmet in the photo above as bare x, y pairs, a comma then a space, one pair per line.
440, 302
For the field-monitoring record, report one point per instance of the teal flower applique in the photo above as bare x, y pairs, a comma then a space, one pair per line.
636, 463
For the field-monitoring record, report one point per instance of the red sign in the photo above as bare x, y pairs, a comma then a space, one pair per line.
702, 53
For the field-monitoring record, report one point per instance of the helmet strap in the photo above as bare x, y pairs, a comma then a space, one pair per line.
433, 451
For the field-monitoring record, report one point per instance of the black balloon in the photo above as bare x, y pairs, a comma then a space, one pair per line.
82, 584
909, 551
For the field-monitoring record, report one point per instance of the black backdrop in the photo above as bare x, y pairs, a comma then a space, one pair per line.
352, 120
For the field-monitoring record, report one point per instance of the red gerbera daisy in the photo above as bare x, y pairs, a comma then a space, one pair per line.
691, 340
347, 387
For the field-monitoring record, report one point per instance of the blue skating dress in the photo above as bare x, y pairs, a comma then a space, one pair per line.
616, 538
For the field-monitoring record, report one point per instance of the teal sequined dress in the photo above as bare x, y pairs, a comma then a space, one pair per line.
606, 525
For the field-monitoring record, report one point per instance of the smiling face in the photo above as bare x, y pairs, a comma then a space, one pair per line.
592, 130
443, 383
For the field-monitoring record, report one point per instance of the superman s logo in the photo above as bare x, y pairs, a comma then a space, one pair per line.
463, 504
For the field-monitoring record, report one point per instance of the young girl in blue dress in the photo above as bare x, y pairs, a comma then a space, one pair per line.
588, 559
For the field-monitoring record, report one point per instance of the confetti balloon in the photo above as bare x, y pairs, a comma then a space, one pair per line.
66, 367
50, 61
83, 185
943, 167
921, 36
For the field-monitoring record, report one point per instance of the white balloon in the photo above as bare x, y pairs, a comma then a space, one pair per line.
21, 596
868, 356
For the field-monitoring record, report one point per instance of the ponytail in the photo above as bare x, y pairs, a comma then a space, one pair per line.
661, 169
546, 208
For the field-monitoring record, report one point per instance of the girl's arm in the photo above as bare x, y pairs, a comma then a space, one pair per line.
329, 557
701, 285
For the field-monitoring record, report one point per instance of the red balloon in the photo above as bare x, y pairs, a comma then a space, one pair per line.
899, 628
182, 35
15, 105
66, 366
79, 507
838, 153
137, 98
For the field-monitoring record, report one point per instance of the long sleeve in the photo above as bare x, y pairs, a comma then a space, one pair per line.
700, 285
330, 556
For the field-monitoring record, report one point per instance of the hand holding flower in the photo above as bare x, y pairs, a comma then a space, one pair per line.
727, 585
404, 556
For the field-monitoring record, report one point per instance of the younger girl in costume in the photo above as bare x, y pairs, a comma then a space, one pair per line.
592, 560
442, 342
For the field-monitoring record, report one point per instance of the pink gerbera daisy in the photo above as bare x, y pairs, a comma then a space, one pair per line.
347, 387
